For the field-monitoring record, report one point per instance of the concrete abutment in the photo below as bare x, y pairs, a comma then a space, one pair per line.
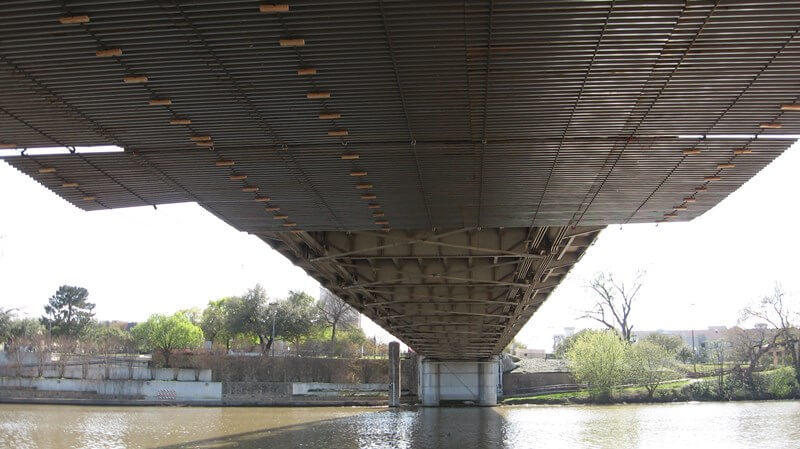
475, 382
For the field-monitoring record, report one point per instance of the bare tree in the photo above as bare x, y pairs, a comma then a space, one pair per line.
748, 346
614, 302
337, 313
775, 311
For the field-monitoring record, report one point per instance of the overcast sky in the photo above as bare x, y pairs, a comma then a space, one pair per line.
139, 261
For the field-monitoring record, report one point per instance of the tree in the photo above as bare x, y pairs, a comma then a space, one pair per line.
109, 338
7, 317
748, 346
26, 328
68, 312
251, 314
718, 350
650, 364
598, 359
563, 346
194, 315
776, 312
671, 343
297, 317
336, 312
168, 333
214, 321
614, 302
512, 346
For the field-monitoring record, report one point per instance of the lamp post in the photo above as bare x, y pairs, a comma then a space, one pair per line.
273, 305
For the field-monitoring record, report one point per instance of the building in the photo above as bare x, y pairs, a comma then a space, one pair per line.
558, 338
693, 338
530, 353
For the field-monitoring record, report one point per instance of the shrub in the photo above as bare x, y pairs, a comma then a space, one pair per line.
167, 334
649, 365
704, 390
781, 383
599, 360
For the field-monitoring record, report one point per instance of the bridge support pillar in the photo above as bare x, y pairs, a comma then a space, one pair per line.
394, 374
488, 381
428, 389
459, 381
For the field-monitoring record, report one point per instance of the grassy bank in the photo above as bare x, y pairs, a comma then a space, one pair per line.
773, 384
626, 394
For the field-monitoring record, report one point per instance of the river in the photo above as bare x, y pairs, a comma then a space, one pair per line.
684, 425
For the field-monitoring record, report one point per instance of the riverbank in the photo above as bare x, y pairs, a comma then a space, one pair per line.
667, 392
199, 393
776, 384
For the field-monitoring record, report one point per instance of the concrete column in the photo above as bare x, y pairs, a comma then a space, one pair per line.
487, 382
394, 374
428, 390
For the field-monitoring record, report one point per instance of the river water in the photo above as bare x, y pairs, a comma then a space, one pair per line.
684, 426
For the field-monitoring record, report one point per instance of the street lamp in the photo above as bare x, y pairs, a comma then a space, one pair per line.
273, 305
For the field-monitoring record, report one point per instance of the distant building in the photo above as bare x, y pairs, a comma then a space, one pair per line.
530, 353
558, 338
701, 336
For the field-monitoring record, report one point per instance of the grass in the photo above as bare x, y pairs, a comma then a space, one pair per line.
583, 395
706, 367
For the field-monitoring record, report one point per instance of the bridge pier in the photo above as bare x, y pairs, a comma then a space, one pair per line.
394, 374
459, 381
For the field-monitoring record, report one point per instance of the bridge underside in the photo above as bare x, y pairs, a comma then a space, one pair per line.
449, 294
440, 165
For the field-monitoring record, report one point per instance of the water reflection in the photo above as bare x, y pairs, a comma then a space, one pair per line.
729, 425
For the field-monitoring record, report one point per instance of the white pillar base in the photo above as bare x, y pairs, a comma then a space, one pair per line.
464, 381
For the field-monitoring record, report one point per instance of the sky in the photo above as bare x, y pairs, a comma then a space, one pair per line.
140, 261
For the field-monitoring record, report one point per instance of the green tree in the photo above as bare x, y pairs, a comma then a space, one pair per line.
194, 315
298, 318
563, 346
214, 321
168, 333
26, 328
68, 312
650, 364
598, 359
251, 314
514, 345
108, 338
671, 343
7, 318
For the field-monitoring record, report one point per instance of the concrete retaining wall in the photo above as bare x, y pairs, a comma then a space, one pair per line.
521, 383
285, 393
256, 392
329, 389
41, 365
154, 390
